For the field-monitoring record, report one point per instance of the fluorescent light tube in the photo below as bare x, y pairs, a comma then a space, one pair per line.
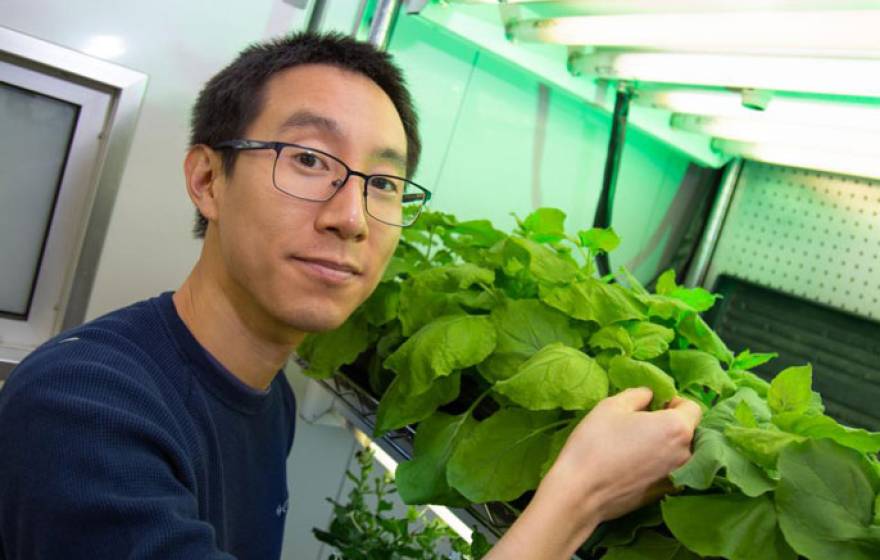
607, 7
819, 160
755, 130
851, 77
834, 33
780, 109
390, 465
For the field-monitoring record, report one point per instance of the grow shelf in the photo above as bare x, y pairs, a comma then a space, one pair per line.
359, 409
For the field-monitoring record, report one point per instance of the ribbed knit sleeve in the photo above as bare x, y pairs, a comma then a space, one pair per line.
94, 464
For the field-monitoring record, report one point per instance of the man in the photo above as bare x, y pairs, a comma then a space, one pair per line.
161, 430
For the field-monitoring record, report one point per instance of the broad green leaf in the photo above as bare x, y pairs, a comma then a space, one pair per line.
742, 378
441, 347
650, 545
383, 305
327, 351
502, 457
422, 480
791, 390
524, 327
475, 300
825, 501
622, 531
877, 511
419, 305
438, 291
541, 262
724, 413
649, 339
664, 307
433, 219
714, 454
612, 337
500, 366
415, 236
760, 445
398, 266
698, 299
478, 233
745, 360
557, 376
745, 416
443, 257
626, 372
557, 442
389, 341
545, 225
398, 408
634, 285
592, 300
452, 278
821, 426
694, 368
693, 328
731, 526
599, 240
666, 283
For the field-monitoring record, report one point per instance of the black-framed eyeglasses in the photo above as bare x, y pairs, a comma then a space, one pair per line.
316, 176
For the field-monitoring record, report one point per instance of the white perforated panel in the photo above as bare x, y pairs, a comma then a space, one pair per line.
807, 233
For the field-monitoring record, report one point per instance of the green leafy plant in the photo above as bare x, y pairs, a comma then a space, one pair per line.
497, 344
365, 528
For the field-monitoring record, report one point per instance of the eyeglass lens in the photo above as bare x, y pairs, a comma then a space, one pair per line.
315, 176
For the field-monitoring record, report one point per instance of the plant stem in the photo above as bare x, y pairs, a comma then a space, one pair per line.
430, 243
474, 404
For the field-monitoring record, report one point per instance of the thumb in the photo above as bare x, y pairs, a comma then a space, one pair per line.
637, 398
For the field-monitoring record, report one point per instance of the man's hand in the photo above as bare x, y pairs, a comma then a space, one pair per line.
616, 460
619, 456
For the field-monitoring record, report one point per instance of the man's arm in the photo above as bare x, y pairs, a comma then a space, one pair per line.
90, 467
616, 460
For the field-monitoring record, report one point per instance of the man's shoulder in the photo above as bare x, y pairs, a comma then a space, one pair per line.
119, 349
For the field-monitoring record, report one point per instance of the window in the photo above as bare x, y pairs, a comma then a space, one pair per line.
66, 121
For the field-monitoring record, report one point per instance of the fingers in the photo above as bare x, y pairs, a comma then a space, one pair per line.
689, 410
634, 399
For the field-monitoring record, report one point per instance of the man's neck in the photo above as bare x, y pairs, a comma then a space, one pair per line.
229, 331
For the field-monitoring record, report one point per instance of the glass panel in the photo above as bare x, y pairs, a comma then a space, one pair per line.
35, 133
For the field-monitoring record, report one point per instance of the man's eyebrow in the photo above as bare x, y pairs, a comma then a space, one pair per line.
393, 156
302, 119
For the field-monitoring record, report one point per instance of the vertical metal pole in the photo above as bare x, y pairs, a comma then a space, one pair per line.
384, 18
697, 272
316, 17
603, 215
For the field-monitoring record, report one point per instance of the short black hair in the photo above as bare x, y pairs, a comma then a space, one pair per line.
232, 99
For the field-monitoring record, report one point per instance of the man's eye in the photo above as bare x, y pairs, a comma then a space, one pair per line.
384, 184
309, 160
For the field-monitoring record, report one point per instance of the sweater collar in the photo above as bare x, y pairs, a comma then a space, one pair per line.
221, 382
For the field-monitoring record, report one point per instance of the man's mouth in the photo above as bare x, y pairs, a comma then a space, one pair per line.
329, 270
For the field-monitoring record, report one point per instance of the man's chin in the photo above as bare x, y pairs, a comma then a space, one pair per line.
313, 321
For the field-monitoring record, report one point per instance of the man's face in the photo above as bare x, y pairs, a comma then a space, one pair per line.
307, 265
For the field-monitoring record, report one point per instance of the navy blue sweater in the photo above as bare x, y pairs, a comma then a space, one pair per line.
124, 438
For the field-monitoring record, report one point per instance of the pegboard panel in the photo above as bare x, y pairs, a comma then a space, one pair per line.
810, 234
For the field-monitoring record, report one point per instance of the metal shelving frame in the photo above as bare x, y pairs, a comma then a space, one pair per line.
359, 409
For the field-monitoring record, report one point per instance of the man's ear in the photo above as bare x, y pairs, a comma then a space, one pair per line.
203, 172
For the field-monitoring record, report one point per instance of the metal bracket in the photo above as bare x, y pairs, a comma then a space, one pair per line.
414, 7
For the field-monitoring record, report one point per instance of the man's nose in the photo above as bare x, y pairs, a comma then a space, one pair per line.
345, 214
